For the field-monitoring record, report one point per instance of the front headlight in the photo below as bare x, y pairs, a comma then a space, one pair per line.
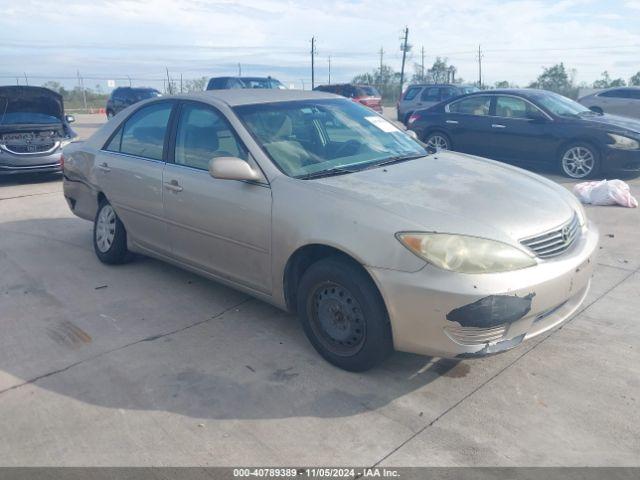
623, 143
464, 254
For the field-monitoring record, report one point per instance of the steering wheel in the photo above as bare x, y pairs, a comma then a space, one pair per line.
347, 148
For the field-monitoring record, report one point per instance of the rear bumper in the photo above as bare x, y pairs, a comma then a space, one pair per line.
447, 314
620, 161
15, 164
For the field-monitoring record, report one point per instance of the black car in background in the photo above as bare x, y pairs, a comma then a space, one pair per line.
224, 83
532, 127
367, 95
122, 97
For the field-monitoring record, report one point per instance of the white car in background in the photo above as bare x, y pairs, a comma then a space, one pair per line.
624, 101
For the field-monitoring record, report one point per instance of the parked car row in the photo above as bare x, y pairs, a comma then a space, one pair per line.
317, 205
532, 128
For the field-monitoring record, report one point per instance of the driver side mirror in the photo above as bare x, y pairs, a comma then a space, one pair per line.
232, 168
70, 118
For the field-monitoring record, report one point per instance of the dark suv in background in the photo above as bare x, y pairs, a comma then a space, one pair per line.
122, 97
364, 94
421, 96
224, 83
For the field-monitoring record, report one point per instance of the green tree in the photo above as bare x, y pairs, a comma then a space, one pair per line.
557, 79
195, 85
386, 80
606, 82
502, 84
635, 80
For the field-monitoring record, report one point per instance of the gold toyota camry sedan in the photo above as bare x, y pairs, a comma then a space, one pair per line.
320, 206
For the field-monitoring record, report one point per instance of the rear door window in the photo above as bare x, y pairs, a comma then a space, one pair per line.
476, 105
448, 92
618, 93
411, 93
143, 133
431, 94
512, 107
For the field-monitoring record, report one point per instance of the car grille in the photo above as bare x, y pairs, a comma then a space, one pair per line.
555, 242
475, 336
30, 148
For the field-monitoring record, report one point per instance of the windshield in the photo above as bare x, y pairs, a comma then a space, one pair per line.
144, 94
313, 137
561, 106
261, 83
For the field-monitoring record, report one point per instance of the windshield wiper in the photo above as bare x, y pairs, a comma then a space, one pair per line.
326, 173
394, 159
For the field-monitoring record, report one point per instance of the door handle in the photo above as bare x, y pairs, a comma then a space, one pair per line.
104, 166
173, 186
454, 122
497, 125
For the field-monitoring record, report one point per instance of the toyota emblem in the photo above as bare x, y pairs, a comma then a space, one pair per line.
565, 234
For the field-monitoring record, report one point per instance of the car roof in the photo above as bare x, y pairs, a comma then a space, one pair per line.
251, 96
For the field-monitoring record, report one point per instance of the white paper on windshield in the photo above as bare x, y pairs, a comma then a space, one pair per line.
382, 124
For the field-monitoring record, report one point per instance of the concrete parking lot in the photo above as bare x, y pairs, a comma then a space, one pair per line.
145, 364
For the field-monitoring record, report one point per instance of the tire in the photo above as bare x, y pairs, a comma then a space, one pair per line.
579, 160
109, 114
109, 236
405, 120
343, 315
437, 141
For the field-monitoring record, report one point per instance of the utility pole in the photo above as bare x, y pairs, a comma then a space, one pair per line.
239, 69
26, 79
302, 81
329, 60
405, 48
422, 64
313, 53
181, 83
129, 80
381, 52
480, 55
81, 85
169, 81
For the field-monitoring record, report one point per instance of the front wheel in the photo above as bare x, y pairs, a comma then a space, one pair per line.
437, 141
343, 315
109, 236
579, 160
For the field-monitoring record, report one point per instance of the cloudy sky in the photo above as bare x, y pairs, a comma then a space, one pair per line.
113, 39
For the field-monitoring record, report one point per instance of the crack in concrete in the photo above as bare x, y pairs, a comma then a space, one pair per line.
505, 368
28, 195
122, 347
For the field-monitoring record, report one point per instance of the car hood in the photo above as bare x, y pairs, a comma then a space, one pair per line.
457, 193
30, 104
607, 121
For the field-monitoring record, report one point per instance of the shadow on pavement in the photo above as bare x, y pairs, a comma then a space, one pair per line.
150, 341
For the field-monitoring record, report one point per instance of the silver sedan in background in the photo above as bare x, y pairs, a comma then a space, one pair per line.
318, 205
623, 101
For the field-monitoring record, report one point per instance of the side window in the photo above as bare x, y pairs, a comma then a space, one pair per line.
430, 94
411, 93
512, 107
448, 92
143, 132
202, 135
476, 105
114, 144
618, 93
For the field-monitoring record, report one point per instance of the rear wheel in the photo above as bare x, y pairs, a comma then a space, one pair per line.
109, 114
579, 160
109, 236
437, 141
343, 315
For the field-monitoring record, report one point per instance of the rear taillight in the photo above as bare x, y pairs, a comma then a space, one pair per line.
413, 118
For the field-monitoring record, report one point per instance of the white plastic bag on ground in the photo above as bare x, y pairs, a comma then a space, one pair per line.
605, 192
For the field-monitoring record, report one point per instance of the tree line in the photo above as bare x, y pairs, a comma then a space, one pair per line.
556, 78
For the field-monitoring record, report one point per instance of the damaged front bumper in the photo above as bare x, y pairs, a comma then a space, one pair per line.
447, 314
